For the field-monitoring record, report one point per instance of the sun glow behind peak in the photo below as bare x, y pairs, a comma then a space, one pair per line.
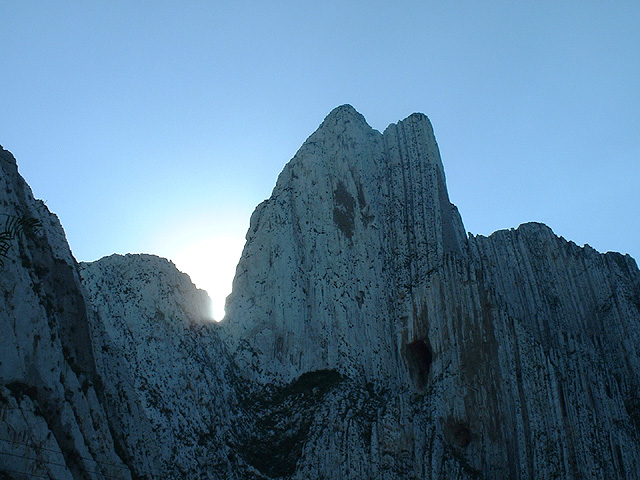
211, 265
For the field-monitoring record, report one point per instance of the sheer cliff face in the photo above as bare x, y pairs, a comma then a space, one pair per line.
508, 356
355, 221
566, 322
52, 422
367, 336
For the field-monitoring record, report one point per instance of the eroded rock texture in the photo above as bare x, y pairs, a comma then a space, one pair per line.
513, 356
164, 374
367, 336
52, 422
357, 219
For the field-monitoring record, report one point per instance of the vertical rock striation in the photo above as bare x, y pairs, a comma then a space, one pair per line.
367, 336
356, 219
52, 423
567, 320
511, 356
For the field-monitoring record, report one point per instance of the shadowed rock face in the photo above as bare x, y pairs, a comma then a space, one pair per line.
367, 336
513, 356
52, 420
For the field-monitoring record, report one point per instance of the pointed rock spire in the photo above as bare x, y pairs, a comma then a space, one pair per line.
355, 216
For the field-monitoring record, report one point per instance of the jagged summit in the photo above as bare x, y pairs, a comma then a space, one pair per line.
367, 337
360, 264
344, 113
344, 122
416, 117
369, 211
347, 113
160, 277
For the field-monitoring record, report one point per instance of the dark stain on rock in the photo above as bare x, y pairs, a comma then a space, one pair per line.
360, 298
361, 199
344, 210
457, 432
420, 356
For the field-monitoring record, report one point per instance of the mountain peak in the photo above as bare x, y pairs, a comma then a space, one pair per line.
343, 111
359, 303
342, 118
348, 195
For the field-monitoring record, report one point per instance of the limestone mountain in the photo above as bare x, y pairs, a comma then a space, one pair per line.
53, 423
512, 356
367, 336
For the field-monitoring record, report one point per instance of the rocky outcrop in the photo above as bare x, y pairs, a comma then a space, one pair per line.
355, 221
512, 356
52, 423
367, 336
107, 370
164, 374
566, 322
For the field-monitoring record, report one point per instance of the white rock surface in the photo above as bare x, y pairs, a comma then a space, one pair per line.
367, 336
158, 353
513, 356
356, 219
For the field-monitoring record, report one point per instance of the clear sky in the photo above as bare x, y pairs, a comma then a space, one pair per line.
157, 126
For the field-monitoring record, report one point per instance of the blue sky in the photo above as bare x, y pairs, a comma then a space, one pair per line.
158, 126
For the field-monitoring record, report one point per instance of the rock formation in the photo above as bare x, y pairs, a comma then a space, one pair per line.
367, 336
52, 420
511, 356
166, 382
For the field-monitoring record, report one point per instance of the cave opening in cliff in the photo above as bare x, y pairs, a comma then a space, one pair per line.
457, 432
420, 358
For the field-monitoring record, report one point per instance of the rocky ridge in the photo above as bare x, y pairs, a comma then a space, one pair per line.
52, 420
472, 356
166, 381
367, 336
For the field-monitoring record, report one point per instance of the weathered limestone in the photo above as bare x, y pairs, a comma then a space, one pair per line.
52, 422
355, 220
367, 336
513, 356
158, 354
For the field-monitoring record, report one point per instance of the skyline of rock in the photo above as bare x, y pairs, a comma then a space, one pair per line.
367, 336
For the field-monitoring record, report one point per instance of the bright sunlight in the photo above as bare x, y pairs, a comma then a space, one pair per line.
211, 264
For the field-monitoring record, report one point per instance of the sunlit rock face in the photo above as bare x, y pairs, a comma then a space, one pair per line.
52, 420
512, 356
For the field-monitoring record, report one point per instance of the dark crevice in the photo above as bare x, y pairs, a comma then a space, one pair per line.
420, 356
